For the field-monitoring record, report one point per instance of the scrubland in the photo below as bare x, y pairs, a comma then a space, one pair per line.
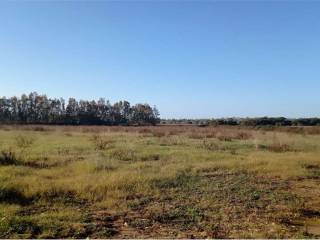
164, 181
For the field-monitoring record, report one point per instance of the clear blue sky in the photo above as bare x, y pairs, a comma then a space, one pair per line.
191, 59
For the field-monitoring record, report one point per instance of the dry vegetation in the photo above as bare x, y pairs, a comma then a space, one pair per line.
166, 181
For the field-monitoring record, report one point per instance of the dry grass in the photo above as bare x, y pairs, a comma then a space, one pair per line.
166, 181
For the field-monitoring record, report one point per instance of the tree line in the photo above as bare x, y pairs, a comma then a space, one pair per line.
253, 122
39, 109
268, 121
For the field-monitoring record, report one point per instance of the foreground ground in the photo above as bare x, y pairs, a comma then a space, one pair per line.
139, 182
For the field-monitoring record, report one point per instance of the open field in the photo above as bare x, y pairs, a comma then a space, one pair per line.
166, 181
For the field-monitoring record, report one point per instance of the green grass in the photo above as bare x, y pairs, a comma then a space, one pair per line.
134, 182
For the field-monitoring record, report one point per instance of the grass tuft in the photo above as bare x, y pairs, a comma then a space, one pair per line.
101, 143
8, 157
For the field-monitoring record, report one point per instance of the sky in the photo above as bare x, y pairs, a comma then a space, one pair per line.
192, 59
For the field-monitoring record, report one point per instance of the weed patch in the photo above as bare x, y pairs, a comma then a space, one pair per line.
123, 154
8, 157
23, 227
101, 143
24, 142
58, 195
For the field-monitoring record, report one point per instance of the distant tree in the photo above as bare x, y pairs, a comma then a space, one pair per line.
143, 114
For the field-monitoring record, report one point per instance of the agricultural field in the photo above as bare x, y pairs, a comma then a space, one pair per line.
162, 181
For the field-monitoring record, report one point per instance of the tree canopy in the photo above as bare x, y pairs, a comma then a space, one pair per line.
39, 109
